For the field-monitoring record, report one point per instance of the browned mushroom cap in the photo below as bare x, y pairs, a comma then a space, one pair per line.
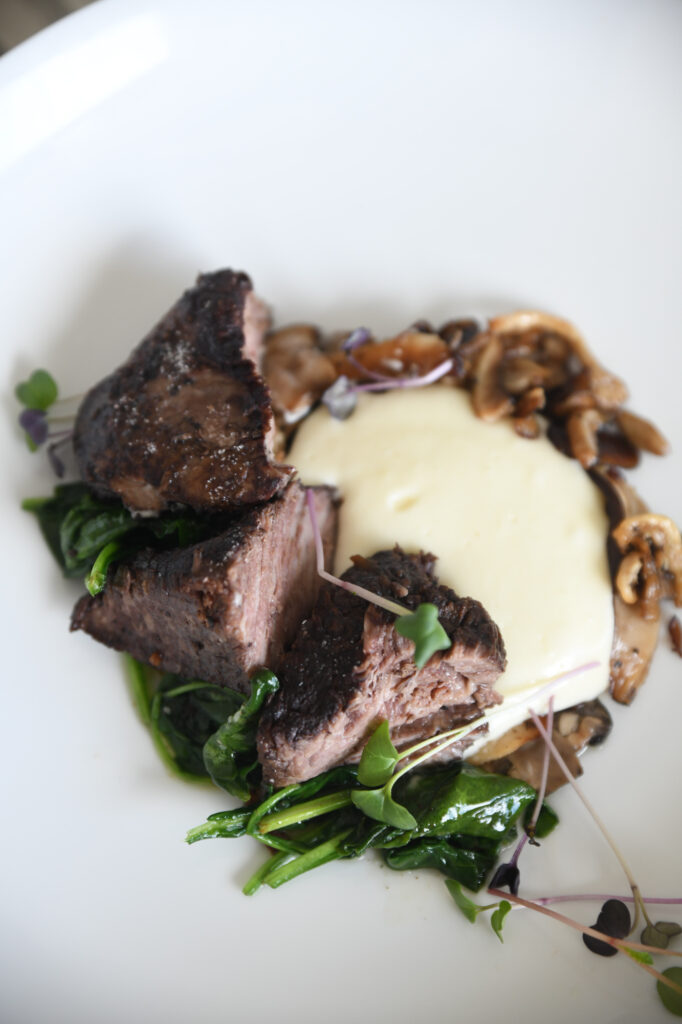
584, 725
296, 370
656, 540
609, 391
411, 352
634, 643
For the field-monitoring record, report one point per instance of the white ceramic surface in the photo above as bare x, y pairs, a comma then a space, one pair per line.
365, 162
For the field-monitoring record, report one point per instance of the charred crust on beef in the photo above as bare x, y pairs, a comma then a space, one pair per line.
221, 608
349, 668
186, 419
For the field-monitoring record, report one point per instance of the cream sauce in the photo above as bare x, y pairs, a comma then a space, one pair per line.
514, 524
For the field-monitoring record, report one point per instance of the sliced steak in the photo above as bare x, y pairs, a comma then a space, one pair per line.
218, 609
187, 418
348, 669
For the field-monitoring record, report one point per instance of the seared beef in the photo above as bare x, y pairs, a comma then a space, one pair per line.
219, 609
186, 418
349, 669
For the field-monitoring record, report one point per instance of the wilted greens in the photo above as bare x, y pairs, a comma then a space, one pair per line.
85, 533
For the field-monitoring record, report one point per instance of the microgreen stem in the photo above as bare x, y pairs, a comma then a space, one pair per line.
304, 812
389, 383
619, 944
530, 829
589, 897
638, 902
382, 602
450, 737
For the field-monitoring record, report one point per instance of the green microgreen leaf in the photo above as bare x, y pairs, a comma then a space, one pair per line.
470, 909
497, 918
422, 626
380, 805
671, 999
640, 955
659, 934
379, 758
38, 392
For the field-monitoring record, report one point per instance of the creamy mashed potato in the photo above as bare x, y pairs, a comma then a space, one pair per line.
513, 523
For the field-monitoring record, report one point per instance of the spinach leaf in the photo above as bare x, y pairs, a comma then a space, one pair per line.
462, 858
82, 529
186, 715
229, 755
472, 802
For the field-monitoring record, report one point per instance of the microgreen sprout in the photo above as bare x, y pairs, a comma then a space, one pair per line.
666, 978
39, 394
638, 902
471, 910
508, 874
421, 625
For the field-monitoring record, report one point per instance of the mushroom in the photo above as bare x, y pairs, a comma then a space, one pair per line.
582, 430
520, 752
488, 397
656, 541
634, 643
296, 370
642, 433
411, 351
609, 391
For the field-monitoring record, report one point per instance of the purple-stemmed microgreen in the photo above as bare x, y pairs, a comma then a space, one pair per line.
637, 898
421, 625
508, 874
39, 394
380, 759
631, 949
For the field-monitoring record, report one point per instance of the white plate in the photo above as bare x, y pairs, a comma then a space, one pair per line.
366, 163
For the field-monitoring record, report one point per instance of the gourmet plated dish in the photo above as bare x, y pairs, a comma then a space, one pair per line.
373, 589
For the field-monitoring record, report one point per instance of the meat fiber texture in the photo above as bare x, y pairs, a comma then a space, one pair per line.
187, 419
219, 609
349, 669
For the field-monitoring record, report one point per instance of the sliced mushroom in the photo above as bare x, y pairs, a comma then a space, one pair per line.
488, 397
584, 725
520, 752
527, 426
609, 391
296, 370
582, 430
634, 643
527, 762
657, 540
642, 433
411, 351
531, 401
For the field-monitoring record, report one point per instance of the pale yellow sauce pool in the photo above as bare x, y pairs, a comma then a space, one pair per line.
514, 524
